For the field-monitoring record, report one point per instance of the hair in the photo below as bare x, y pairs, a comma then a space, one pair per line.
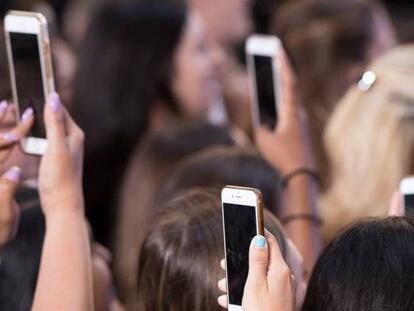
368, 267
370, 143
20, 260
153, 162
179, 260
125, 65
322, 38
221, 166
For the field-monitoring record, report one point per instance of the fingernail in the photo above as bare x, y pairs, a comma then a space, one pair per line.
259, 241
27, 114
3, 106
13, 174
9, 137
54, 102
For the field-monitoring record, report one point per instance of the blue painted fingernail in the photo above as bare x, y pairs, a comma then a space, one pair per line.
27, 114
259, 241
9, 137
13, 174
3, 106
54, 102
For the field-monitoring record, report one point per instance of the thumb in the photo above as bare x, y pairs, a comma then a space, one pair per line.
258, 262
54, 121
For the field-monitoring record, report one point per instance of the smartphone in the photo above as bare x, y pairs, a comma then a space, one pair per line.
407, 192
31, 73
242, 221
264, 78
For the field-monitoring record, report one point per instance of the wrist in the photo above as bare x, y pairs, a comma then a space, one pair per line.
299, 177
62, 202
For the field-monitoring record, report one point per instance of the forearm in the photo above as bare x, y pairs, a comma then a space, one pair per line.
65, 277
300, 197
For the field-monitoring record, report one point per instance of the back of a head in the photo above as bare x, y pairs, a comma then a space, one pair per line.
125, 64
370, 141
179, 259
329, 43
323, 36
368, 267
217, 167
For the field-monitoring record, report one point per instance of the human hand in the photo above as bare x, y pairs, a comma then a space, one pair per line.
60, 173
269, 285
9, 210
288, 147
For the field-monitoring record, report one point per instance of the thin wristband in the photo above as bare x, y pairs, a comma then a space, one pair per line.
300, 171
310, 217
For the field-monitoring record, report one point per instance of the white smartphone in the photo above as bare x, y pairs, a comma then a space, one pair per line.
31, 73
407, 192
264, 78
242, 221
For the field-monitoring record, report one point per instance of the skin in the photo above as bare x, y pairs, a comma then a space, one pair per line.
65, 275
9, 210
193, 79
270, 286
287, 149
217, 14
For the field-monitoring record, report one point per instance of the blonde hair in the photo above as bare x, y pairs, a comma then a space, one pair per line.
370, 143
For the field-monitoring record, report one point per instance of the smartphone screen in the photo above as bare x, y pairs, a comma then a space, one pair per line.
265, 90
240, 229
28, 75
409, 205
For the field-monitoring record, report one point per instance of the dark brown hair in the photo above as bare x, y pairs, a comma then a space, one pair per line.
179, 259
221, 166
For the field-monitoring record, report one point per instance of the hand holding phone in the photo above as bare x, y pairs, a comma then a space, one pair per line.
269, 286
242, 221
31, 72
264, 79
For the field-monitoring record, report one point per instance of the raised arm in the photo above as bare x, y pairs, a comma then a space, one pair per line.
288, 150
65, 277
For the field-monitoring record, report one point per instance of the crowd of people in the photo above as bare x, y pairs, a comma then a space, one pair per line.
152, 118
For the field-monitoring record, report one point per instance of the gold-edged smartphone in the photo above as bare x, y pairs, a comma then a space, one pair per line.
242, 221
31, 72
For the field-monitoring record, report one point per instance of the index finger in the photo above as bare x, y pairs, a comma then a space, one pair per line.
277, 264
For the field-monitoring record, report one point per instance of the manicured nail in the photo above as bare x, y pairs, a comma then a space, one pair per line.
259, 241
3, 106
54, 102
13, 174
9, 137
27, 114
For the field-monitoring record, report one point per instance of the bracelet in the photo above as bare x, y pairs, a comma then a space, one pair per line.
310, 217
300, 171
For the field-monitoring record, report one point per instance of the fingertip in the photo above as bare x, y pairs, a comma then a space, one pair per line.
27, 114
222, 301
223, 264
13, 174
222, 285
259, 242
53, 102
3, 106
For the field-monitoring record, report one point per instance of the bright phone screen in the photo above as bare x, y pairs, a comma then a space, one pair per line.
265, 90
28, 75
409, 205
240, 229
